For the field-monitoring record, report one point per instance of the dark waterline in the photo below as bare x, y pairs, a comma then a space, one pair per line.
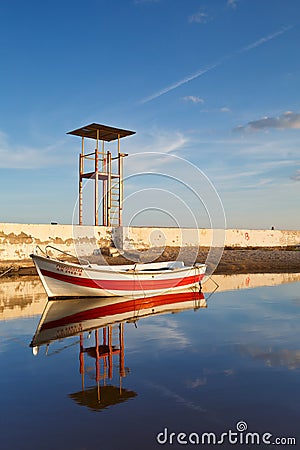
235, 358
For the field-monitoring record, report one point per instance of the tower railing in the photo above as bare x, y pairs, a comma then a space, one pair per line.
110, 175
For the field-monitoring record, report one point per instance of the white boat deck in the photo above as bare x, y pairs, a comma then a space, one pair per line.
147, 267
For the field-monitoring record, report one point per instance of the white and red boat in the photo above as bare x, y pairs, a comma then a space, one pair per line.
64, 279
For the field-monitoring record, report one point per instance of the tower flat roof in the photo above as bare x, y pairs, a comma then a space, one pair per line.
106, 133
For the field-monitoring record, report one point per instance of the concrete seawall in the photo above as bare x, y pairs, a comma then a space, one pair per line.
17, 241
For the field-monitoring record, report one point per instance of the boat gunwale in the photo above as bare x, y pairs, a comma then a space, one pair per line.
129, 271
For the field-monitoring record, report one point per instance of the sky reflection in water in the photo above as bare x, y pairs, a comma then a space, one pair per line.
199, 370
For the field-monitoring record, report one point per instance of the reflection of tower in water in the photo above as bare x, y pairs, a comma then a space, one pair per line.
103, 319
103, 395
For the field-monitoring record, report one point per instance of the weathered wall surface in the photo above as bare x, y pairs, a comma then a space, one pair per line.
151, 237
17, 241
262, 238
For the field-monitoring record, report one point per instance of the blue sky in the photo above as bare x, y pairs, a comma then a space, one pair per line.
213, 82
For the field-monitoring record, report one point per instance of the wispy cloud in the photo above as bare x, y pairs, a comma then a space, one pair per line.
224, 109
272, 357
176, 397
193, 99
288, 120
169, 332
232, 4
201, 381
14, 156
199, 17
259, 165
207, 69
162, 142
281, 149
296, 176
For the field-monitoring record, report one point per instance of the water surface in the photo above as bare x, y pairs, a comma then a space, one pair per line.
115, 378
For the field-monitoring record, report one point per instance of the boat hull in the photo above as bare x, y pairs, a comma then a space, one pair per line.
63, 280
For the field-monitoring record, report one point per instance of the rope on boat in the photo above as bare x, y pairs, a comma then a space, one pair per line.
216, 288
135, 275
197, 268
6, 271
198, 273
217, 285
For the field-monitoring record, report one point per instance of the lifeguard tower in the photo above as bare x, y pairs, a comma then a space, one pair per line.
107, 168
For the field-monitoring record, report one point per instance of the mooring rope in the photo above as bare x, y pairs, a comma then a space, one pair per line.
6, 271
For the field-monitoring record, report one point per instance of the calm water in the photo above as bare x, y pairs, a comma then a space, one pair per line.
189, 364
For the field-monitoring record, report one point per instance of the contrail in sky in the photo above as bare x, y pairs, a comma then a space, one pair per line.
213, 66
179, 83
265, 39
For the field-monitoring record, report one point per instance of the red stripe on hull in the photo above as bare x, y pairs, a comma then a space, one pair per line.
124, 285
124, 307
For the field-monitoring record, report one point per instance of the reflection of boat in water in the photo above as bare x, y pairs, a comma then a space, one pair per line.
73, 317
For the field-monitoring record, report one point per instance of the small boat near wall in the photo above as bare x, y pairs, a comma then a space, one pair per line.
63, 279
